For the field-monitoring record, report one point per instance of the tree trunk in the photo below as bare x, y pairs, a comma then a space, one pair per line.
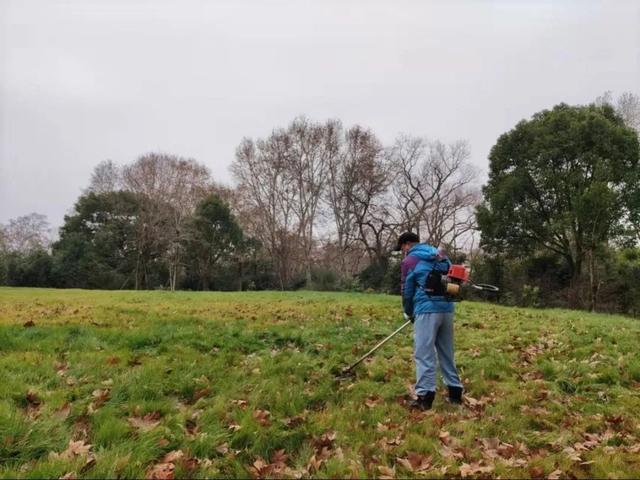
137, 272
240, 274
593, 283
175, 276
204, 276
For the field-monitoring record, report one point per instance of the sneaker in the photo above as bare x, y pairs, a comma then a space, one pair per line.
455, 394
423, 402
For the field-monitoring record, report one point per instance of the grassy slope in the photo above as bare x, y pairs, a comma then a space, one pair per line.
548, 390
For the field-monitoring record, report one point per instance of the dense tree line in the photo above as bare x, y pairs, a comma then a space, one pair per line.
320, 205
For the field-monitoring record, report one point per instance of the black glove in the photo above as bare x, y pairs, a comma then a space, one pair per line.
409, 317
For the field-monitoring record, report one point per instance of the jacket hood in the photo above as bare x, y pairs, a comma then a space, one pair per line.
424, 252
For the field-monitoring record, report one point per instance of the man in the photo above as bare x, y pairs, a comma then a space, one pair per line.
431, 312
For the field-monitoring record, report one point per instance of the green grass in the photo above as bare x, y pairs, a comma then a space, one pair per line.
547, 390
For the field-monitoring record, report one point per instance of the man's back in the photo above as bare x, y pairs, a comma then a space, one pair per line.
421, 259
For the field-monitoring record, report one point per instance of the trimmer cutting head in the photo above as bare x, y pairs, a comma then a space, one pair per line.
344, 372
347, 373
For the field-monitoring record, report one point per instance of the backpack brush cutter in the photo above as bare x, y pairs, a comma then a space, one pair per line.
452, 282
448, 285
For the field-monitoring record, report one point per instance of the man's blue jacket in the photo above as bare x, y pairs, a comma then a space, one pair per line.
416, 266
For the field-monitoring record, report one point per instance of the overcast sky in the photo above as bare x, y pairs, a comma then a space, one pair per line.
82, 81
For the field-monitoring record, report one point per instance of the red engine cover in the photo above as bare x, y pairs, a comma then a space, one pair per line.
458, 272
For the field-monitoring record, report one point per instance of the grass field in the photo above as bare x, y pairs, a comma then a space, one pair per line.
156, 384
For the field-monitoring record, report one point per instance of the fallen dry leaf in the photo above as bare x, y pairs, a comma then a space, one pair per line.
381, 427
438, 420
555, 475
415, 462
387, 444
536, 472
78, 448
201, 393
572, 454
63, 412
191, 463
325, 440
492, 448
467, 470
100, 396
444, 437
279, 457
277, 468
373, 401
74, 449
615, 420
294, 421
262, 417
113, 360
314, 464
81, 427
633, 448
161, 471
386, 472
191, 426
452, 453
61, 367
32, 397
234, 427
146, 423
173, 456
387, 425
239, 403
33, 403
536, 411
515, 462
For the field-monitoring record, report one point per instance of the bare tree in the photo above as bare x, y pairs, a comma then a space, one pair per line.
358, 181
435, 190
265, 198
628, 107
168, 189
280, 181
312, 148
147, 180
3, 240
187, 188
369, 200
227, 194
605, 99
27, 233
106, 177
408, 156
369, 194
341, 179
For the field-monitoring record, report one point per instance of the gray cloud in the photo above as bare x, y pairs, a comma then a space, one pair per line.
82, 81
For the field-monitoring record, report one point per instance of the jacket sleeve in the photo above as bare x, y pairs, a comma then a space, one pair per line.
408, 264
408, 292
